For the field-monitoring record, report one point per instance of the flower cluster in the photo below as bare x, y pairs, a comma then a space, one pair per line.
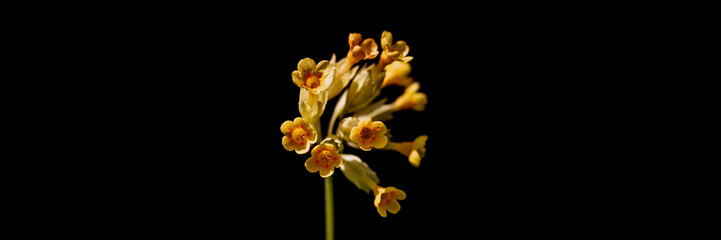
358, 115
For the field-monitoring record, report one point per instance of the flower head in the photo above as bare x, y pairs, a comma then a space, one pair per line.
387, 200
415, 151
369, 134
324, 158
313, 77
361, 50
299, 135
411, 99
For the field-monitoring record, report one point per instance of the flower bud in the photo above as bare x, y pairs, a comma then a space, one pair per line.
358, 172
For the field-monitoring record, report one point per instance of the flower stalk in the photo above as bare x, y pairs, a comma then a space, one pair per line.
329, 218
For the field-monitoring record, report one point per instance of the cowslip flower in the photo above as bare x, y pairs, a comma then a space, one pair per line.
397, 74
369, 134
298, 135
411, 99
361, 50
415, 151
313, 78
397, 51
387, 200
324, 158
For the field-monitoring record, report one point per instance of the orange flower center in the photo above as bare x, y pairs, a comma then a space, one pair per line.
312, 82
366, 133
386, 198
325, 158
299, 135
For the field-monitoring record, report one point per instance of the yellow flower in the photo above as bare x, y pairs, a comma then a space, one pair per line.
361, 50
369, 134
415, 151
299, 135
397, 51
397, 74
315, 78
324, 158
387, 200
411, 99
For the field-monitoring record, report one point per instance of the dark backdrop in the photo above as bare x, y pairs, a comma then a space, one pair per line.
198, 150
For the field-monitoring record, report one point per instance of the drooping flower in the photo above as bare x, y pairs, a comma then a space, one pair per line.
369, 134
397, 74
324, 158
397, 51
299, 135
415, 151
387, 200
411, 99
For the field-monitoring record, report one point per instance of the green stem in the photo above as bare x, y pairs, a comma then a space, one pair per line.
329, 227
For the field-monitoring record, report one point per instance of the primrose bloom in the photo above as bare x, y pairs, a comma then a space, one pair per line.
415, 151
397, 51
299, 135
387, 200
369, 134
361, 50
324, 158
313, 77
411, 99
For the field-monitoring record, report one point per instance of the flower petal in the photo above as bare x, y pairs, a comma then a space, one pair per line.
326, 172
399, 194
382, 211
322, 66
287, 127
354, 39
306, 65
354, 133
311, 165
337, 161
380, 142
420, 141
370, 48
386, 39
415, 158
287, 144
402, 47
365, 145
302, 149
377, 200
313, 136
393, 206
379, 127
297, 78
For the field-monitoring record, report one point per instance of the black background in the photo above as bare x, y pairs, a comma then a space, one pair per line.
197, 100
